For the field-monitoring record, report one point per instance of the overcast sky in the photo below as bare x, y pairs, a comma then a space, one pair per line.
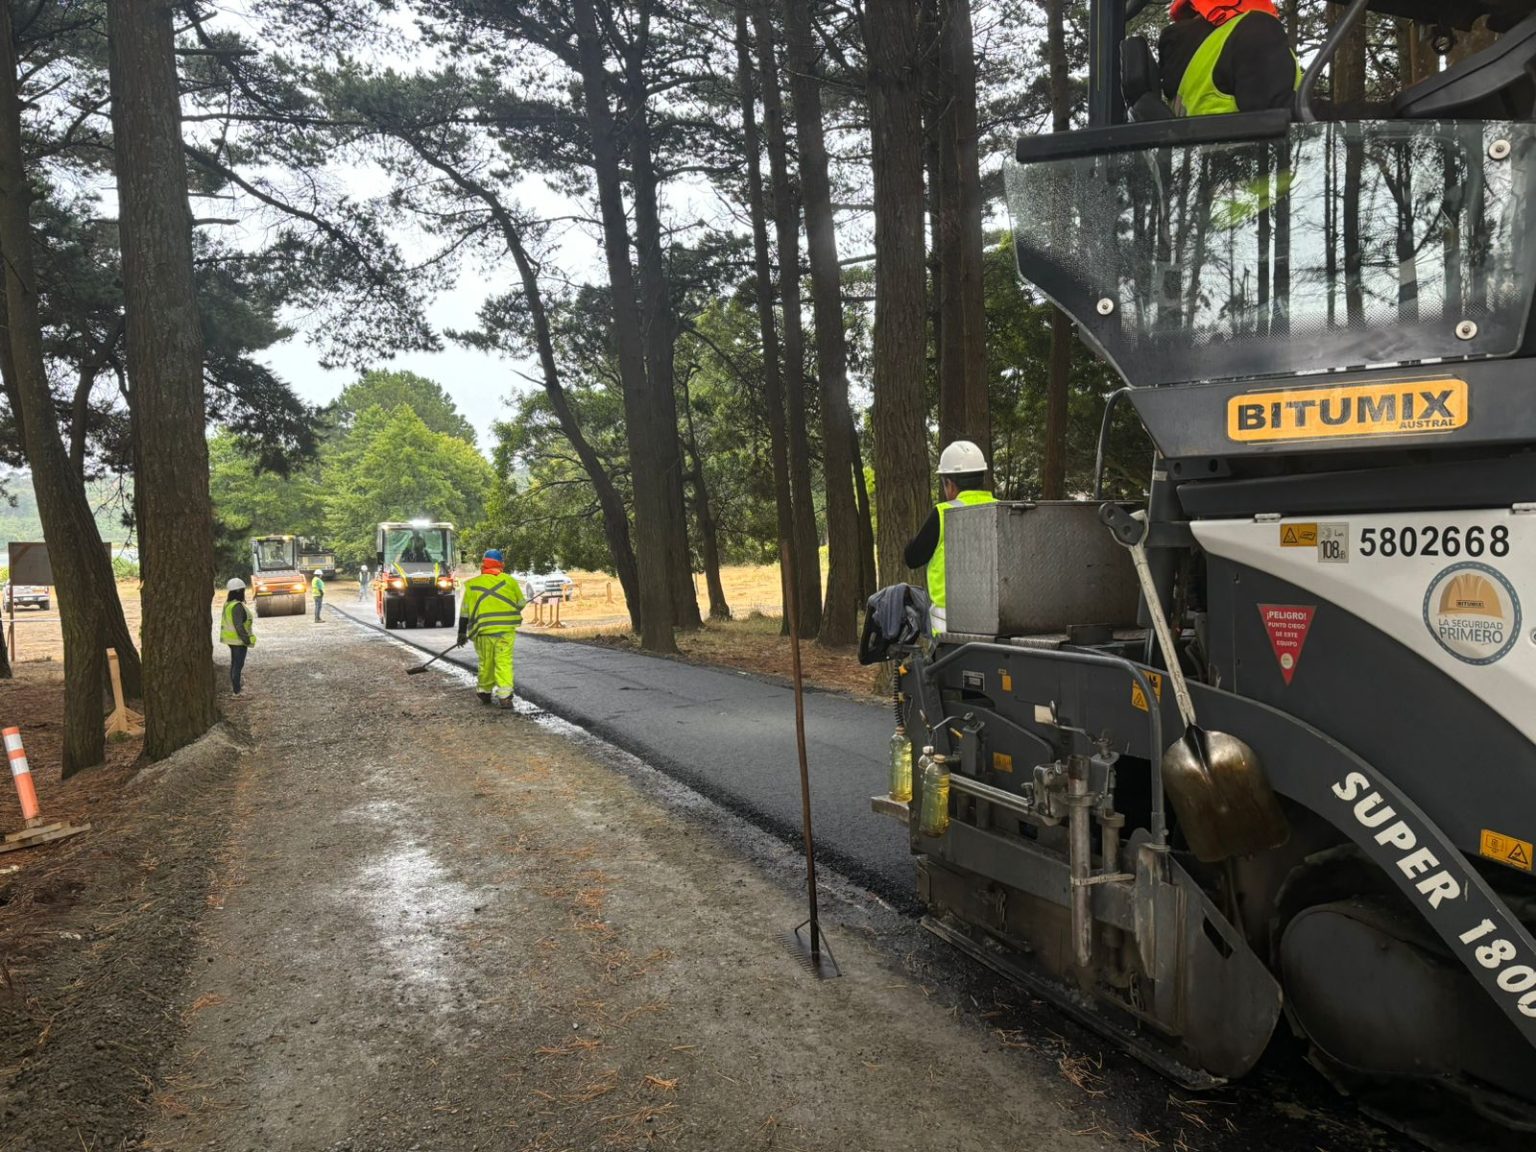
478, 382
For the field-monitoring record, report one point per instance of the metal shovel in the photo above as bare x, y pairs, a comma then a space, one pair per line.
1215, 781
418, 669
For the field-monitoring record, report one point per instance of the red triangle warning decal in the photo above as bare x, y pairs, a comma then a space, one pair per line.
1287, 625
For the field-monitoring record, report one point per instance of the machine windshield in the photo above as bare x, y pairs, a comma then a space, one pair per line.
418, 546
1344, 245
275, 554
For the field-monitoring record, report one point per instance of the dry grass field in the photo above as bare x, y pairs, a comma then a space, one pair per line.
750, 640
37, 636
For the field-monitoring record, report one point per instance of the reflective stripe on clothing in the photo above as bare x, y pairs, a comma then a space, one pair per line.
493, 604
969, 499
1198, 94
494, 653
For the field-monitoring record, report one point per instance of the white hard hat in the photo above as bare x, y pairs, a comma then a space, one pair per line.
235, 585
962, 458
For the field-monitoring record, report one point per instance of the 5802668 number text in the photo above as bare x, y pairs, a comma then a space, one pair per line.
1435, 540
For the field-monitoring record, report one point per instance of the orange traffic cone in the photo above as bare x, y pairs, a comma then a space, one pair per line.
36, 830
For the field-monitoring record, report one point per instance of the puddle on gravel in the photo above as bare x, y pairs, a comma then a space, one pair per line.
416, 906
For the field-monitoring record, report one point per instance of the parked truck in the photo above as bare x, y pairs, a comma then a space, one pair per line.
314, 556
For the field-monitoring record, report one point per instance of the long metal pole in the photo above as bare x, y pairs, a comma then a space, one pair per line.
787, 558
1106, 104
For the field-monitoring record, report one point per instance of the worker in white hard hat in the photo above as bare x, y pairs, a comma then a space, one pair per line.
235, 630
317, 590
962, 474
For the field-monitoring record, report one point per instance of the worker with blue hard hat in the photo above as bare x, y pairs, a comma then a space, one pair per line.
489, 615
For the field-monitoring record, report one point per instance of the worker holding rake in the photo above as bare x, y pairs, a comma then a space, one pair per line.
489, 615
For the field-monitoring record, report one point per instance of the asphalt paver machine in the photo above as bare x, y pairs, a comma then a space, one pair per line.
277, 584
417, 581
1258, 757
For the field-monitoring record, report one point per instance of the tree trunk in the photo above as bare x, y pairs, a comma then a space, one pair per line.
709, 536
659, 328
165, 365
773, 391
840, 620
75, 548
651, 484
1347, 77
1053, 479
963, 408
902, 496
868, 580
611, 503
786, 219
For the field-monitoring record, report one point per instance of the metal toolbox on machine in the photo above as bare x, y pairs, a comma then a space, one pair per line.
1014, 568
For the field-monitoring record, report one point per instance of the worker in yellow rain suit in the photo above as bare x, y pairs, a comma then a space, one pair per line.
489, 615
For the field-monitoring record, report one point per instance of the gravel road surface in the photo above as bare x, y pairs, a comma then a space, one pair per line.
442, 927
726, 734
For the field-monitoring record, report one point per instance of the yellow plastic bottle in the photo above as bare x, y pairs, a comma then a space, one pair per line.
901, 766
933, 819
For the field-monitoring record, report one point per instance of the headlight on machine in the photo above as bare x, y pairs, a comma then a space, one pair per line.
396, 582
445, 581
298, 586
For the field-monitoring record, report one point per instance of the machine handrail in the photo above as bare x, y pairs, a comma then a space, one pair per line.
1325, 55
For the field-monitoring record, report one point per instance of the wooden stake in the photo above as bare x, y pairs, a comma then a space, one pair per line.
124, 722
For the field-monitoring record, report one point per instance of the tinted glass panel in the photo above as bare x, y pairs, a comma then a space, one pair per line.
274, 555
417, 546
1346, 246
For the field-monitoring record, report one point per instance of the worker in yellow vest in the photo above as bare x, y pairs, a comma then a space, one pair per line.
962, 474
491, 610
317, 590
236, 630
1225, 56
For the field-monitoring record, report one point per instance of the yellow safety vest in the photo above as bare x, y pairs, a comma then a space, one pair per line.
1198, 94
317, 587
493, 604
936, 564
228, 634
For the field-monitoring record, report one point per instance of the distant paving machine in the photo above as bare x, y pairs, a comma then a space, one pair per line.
1326, 330
314, 555
417, 582
276, 581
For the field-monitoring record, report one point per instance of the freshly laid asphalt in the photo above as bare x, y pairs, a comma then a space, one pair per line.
728, 735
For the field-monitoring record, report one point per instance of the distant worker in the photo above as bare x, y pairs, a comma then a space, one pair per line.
236, 631
1225, 56
317, 590
489, 615
416, 553
962, 471
362, 582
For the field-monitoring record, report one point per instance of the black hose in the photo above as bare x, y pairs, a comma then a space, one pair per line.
1109, 415
901, 716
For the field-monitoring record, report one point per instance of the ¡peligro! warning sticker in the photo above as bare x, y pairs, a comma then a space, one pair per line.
1287, 626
